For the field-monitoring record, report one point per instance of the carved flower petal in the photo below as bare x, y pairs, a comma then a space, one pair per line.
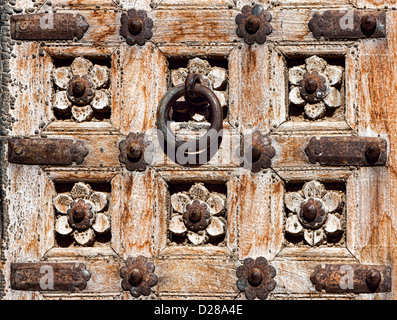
315, 111
84, 238
196, 238
101, 224
179, 201
81, 66
295, 97
177, 226
333, 99
199, 192
100, 200
62, 103
314, 237
293, 201
100, 102
61, 77
334, 74
82, 113
178, 76
313, 189
80, 190
62, 226
216, 228
333, 225
293, 226
218, 78
198, 65
331, 201
315, 63
100, 76
62, 202
295, 74
216, 203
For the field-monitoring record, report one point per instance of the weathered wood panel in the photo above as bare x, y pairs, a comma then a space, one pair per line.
260, 208
138, 84
30, 80
249, 87
29, 220
137, 225
375, 188
196, 278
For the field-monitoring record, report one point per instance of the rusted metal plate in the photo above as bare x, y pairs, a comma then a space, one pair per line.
49, 276
356, 278
348, 24
48, 26
347, 151
46, 151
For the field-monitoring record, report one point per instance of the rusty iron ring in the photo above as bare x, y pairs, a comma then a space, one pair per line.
165, 105
191, 95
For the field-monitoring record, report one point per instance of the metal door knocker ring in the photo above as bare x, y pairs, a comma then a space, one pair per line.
196, 93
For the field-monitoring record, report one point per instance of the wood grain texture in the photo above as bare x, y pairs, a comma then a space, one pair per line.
139, 82
180, 278
249, 87
374, 237
259, 208
31, 218
137, 226
30, 79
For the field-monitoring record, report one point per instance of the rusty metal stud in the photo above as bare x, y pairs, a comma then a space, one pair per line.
80, 90
255, 152
135, 152
255, 278
368, 23
80, 215
136, 27
138, 276
135, 277
311, 214
51, 26
313, 87
355, 278
373, 279
348, 24
197, 216
253, 24
372, 152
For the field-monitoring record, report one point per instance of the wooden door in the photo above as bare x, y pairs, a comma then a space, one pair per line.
252, 214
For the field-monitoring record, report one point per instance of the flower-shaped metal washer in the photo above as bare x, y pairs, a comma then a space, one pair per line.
80, 215
253, 24
197, 215
80, 90
136, 27
255, 278
133, 152
138, 276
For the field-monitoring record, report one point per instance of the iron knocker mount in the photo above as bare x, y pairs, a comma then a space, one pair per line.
197, 92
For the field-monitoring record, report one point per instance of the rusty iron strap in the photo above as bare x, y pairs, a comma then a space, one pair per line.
46, 151
355, 278
45, 276
348, 24
347, 151
48, 26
